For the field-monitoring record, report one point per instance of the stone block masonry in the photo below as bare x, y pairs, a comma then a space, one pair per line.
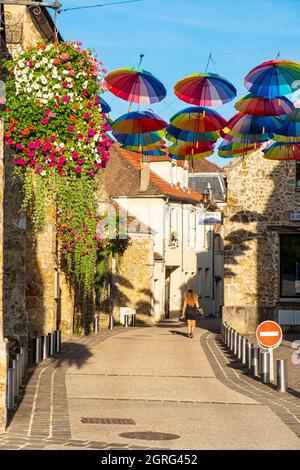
261, 196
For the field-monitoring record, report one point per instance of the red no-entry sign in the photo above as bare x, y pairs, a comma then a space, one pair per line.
269, 334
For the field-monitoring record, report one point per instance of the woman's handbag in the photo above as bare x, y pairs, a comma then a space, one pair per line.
200, 312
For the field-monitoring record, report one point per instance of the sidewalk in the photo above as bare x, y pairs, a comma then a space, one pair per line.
158, 381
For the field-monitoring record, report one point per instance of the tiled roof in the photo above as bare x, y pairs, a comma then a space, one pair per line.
204, 166
164, 188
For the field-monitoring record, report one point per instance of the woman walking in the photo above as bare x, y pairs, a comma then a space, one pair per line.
189, 311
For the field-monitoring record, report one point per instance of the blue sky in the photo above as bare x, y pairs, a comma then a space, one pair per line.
177, 36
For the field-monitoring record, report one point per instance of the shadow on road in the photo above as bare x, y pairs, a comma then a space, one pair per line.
73, 354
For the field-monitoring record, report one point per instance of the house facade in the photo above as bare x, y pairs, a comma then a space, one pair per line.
181, 251
262, 242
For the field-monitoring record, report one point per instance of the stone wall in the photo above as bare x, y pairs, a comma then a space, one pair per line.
261, 196
132, 287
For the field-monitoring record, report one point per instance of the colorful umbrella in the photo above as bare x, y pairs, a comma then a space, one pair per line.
198, 119
139, 139
174, 135
145, 148
290, 128
278, 151
136, 86
243, 124
231, 150
258, 106
153, 153
138, 122
104, 106
191, 150
205, 89
246, 139
274, 78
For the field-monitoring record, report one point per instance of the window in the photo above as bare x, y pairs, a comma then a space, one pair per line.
290, 265
192, 229
298, 174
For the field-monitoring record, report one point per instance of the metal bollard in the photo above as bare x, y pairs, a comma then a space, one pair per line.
57, 335
15, 378
126, 321
22, 363
240, 345
45, 346
255, 362
10, 390
51, 344
231, 339
18, 358
248, 363
265, 367
133, 320
38, 350
244, 351
225, 335
96, 324
228, 337
235, 345
111, 322
281, 375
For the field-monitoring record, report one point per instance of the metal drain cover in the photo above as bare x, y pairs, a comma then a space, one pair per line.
107, 421
150, 436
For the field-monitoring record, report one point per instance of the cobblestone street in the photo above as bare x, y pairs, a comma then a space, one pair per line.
157, 381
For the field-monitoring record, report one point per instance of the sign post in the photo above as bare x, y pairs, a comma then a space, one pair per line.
269, 336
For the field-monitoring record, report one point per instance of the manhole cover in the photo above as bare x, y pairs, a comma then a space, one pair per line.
149, 436
107, 421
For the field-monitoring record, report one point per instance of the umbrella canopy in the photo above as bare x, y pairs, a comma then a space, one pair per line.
246, 139
104, 106
274, 78
258, 106
174, 135
155, 153
278, 151
144, 148
235, 151
138, 122
237, 147
139, 139
290, 128
205, 89
136, 86
243, 124
183, 150
198, 119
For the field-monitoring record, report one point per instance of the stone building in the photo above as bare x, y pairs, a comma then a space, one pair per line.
262, 242
30, 286
178, 251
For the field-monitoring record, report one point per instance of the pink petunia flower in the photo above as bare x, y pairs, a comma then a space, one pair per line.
45, 121
78, 169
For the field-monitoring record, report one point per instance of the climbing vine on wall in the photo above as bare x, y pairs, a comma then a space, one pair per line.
56, 131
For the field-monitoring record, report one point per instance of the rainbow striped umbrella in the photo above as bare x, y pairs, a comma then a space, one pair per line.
145, 148
139, 139
227, 149
279, 151
138, 122
274, 78
191, 150
258, 106
243, 124
198, 119
246, 140
154, 153
174, 135
104, 106
205, 89
136, 86
290, 128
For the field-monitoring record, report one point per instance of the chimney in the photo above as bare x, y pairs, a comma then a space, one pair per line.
145, 173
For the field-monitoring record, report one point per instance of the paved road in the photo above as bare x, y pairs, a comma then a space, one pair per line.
164, 382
